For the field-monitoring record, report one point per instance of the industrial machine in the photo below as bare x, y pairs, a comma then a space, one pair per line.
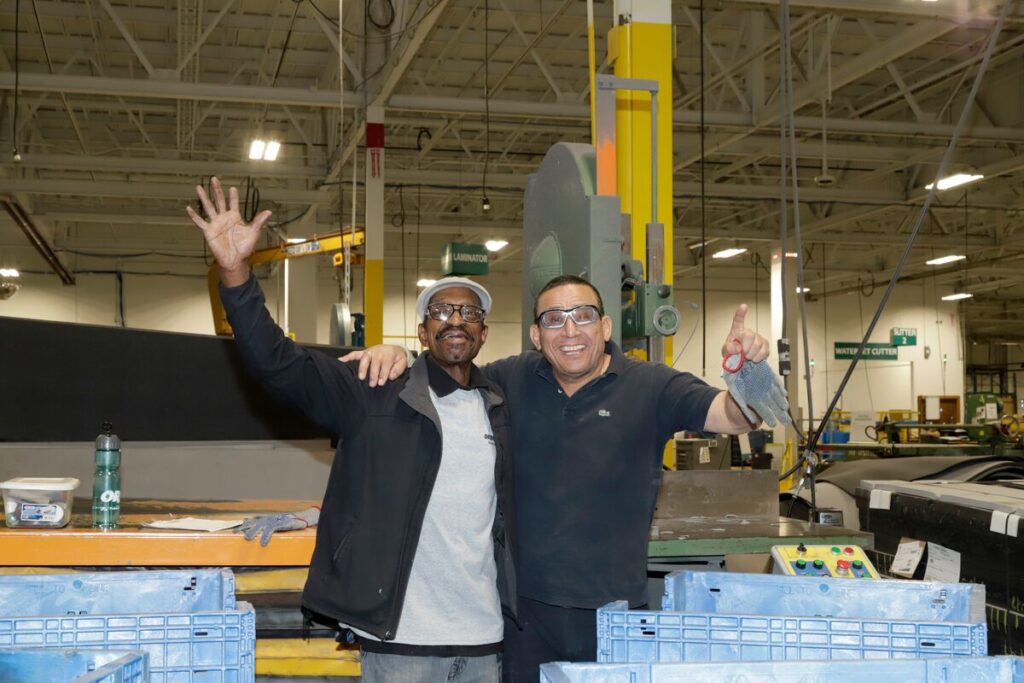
573, 223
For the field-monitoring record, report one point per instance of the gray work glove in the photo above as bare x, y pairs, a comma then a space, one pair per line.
264, 527
757, 389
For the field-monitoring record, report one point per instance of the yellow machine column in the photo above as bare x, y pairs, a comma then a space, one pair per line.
640, 47
373, 269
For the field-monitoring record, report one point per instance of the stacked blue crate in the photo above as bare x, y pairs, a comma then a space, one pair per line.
960, 670
780, 595
73, 666
625, 635
187, 622
712, 616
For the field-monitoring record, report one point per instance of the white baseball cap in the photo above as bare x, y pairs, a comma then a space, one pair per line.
447, 283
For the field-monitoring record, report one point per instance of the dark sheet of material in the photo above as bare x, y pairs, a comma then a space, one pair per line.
63, 380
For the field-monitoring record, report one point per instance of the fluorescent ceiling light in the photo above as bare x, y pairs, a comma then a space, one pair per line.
802, 291
256, 149
9, 272
729, 253
957, 297
425, 282
296, 240
955, 180
264, 150
495, 245
943, 260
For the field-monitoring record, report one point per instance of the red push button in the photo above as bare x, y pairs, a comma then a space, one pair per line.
848, 550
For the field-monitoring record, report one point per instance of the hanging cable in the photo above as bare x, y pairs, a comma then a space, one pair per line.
703, 222
929, 199
15, 155
793, 167
486, 205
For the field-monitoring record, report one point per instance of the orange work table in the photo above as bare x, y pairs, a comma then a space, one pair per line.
131, 545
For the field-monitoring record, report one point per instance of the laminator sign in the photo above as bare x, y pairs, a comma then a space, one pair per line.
458, 258
848, 350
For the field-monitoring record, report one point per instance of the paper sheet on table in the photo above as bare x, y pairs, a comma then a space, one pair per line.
194, 524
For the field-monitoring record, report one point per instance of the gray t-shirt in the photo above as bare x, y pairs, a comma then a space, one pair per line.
452, 596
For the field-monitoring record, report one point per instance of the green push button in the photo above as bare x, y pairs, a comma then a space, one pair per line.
857, 564
835, 550
818, 564
801, 564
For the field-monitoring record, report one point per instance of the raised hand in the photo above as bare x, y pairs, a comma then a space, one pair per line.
231, 240
741, 339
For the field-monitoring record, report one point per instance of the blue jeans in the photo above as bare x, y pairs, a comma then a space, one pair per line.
381, 668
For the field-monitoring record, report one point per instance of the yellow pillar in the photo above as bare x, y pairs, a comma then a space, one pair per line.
642, 48
373, 269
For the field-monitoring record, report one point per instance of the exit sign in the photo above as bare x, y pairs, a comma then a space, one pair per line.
458, 258
903, 336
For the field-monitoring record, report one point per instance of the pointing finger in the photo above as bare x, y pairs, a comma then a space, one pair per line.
738, 319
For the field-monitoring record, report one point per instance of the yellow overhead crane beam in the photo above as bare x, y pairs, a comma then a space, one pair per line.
331, 242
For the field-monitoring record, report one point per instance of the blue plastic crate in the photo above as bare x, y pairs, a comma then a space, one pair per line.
961, 670
199, 647
199, 590
804, 596
72, 666
647, 636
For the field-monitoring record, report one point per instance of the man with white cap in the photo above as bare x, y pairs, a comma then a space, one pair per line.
415, 538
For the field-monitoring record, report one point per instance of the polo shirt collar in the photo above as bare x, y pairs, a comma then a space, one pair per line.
443, 384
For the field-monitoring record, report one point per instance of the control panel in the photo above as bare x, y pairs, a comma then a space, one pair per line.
837, 561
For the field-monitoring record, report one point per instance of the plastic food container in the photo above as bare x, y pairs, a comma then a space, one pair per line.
38, 501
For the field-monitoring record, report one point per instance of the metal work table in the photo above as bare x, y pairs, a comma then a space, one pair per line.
741, 534
711, 513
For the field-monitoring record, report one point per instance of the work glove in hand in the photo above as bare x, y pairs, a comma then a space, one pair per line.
264, 527
757, 389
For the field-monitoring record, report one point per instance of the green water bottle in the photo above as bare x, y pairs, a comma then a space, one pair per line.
106, 480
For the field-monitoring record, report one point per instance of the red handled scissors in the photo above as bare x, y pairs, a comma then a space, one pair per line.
725, 361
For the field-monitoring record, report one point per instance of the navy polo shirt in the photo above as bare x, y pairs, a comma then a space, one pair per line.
588, 469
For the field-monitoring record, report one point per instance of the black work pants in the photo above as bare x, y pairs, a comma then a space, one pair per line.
547, 633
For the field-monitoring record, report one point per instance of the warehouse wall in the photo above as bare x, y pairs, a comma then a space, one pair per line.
875, 385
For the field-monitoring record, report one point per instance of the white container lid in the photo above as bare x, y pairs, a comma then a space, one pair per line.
41, 484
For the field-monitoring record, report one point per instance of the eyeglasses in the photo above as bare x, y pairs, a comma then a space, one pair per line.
468, 312
554, 318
